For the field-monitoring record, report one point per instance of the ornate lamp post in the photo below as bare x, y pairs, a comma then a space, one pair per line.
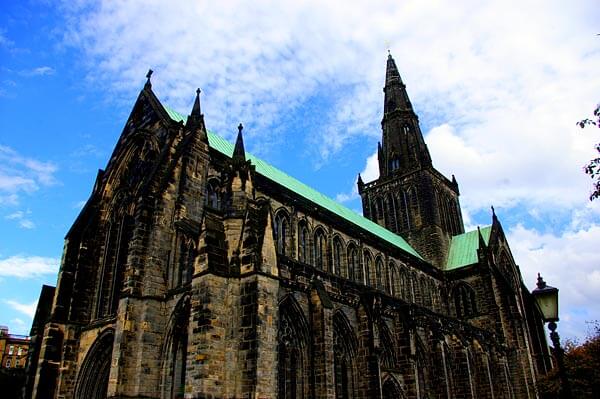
546, 298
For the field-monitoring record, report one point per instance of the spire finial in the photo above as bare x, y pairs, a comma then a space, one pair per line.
494, 217
196, 108
239, 154
148, 75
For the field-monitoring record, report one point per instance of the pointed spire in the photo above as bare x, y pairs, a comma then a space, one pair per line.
148, 84
494, 217
360, 183
196, 108
391, 73
402, 140
395, 90
239, 154
196, 120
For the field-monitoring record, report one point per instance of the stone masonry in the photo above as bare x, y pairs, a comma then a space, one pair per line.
195, 272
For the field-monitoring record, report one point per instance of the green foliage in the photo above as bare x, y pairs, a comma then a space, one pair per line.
593, 167
582, 363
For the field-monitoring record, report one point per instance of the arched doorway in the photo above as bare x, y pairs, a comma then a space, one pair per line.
391, 389
92, 381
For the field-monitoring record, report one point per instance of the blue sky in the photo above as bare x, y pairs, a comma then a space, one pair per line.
498, 88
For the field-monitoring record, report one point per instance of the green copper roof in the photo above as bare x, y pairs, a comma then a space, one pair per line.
274, 174
463, 249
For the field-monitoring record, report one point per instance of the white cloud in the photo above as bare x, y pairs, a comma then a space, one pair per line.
506, 88
22, 219
27, 309
38, 71
20, 174
569, 261
368, 174
22, 266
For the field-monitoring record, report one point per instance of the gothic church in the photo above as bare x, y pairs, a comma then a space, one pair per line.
196, 270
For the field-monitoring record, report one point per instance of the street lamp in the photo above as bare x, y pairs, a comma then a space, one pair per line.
546, 298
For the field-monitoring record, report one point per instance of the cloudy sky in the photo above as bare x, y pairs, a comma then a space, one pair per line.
498, 87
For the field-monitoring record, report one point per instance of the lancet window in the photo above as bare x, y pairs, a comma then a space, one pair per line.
213, 195
281, 232
344, 350
176, 352
303, 244
292, 352
337, 257
320, 249
116, 248
354, 272
464, 301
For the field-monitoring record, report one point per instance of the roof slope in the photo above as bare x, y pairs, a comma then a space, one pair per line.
463, 248
270, 172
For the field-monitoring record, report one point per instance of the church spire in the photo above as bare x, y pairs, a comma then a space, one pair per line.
403, 148
396, 97
239, 154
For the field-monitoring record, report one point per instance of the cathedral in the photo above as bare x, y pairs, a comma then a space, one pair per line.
196, 270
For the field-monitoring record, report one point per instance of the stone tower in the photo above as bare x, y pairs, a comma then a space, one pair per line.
410, 197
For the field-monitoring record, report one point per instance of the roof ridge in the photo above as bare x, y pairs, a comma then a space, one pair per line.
280, 177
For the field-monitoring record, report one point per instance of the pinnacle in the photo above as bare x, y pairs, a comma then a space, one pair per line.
238, 152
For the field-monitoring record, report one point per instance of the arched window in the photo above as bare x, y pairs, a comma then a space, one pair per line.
394, 281
116, 249
379, 277
182, 268
379, 207
337, 257
425, 292
464, 301
404, 210
292, 351
388, 353
368, 262
412, 206
344, 354
353, 263
415, 287
422, 369
281, 232
92, 381
404, 291
320, 249
175, 352
213, 197
392, 220
303, 244
391, 389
